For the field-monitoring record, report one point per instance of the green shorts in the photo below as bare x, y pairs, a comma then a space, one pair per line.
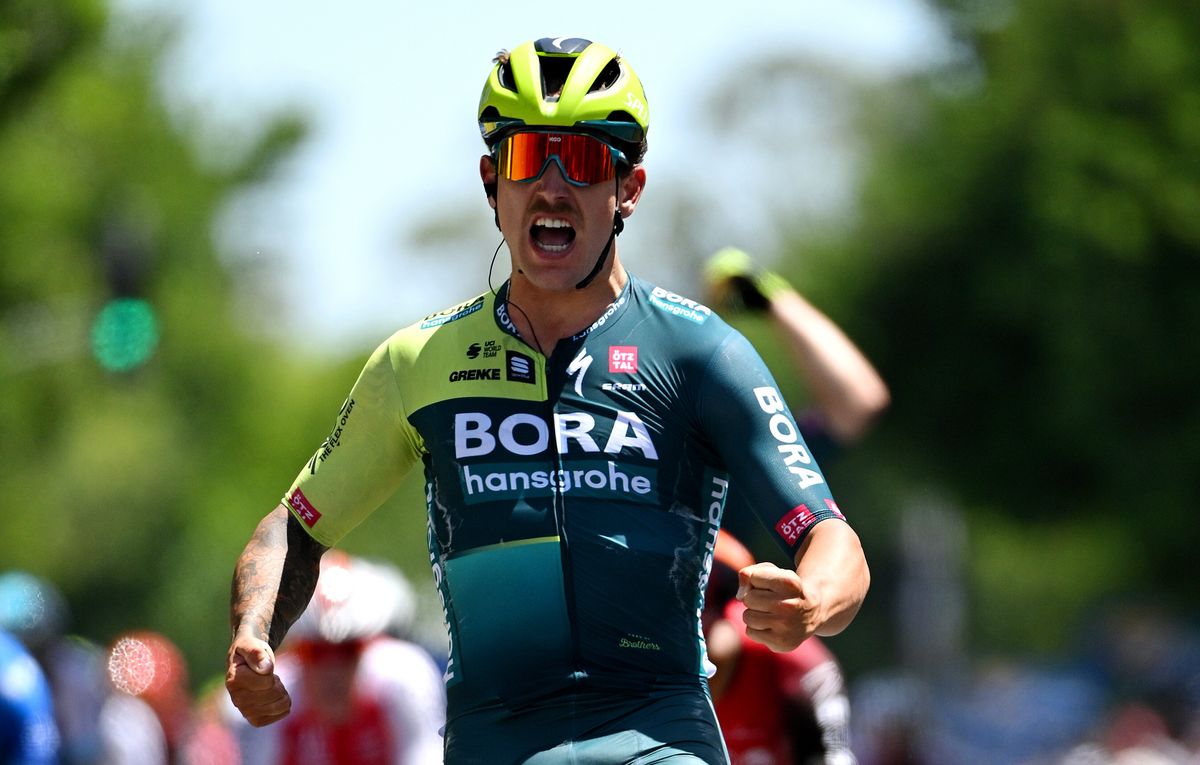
663, 727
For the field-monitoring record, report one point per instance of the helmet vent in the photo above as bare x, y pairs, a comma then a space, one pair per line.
555, 70
505, 76
607, 77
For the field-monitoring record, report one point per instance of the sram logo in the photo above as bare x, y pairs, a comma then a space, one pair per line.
795, 455
476, 435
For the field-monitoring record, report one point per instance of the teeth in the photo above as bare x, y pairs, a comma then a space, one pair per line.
551, 223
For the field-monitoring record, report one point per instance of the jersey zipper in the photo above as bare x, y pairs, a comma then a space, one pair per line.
560, 506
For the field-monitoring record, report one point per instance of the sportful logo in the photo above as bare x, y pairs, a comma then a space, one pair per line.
622, 359
473, 351
678, 305
520, 368
579, 367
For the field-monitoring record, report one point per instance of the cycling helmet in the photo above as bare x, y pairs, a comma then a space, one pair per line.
565, 82
355, 600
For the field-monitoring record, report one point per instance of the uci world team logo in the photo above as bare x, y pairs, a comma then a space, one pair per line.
520, 368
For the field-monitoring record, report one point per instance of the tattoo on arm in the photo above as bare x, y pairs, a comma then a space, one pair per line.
275, 577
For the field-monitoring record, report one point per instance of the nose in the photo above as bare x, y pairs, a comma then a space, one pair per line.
552, 178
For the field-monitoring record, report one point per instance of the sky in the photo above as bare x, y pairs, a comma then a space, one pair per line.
391, 90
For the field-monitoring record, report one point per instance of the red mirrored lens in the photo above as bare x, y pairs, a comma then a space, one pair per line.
584, 159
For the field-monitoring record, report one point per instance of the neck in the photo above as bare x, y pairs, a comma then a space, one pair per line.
544, 317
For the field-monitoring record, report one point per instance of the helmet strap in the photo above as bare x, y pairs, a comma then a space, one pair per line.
618, 226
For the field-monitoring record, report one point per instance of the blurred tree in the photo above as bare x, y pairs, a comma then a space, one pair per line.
1031, 253
143, 428
1022, 263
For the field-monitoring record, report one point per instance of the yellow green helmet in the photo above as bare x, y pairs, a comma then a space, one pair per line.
565, 82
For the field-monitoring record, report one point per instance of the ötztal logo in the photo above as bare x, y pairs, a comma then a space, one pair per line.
791, 446
622, 359
795, 523
304, 508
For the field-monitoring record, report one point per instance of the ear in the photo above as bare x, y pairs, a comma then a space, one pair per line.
632, 185
487, 173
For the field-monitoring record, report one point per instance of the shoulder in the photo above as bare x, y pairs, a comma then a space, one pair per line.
678, 322
675, 309
438, 331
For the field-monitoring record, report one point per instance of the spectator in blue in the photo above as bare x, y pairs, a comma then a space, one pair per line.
28, 735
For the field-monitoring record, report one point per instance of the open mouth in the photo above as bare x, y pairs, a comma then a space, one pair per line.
552, 234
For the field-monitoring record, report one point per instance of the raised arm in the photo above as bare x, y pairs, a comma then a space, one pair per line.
846, 389
272, 584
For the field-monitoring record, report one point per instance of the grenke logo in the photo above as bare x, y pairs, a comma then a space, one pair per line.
462, 375
575, 435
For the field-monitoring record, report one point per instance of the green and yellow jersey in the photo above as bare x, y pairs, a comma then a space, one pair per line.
573, 500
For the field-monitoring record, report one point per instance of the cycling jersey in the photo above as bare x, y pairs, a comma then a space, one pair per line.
573, 500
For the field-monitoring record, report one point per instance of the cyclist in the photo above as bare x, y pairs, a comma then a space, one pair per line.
775, 708
579, 429
34, 610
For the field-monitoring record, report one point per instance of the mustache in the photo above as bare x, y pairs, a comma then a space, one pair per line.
558, 207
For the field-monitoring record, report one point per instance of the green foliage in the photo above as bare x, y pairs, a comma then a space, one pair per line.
1030, 259
132, 486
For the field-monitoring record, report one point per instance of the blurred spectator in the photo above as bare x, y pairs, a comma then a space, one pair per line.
148, 674
361, 695
774, 708
28, 735
35, 612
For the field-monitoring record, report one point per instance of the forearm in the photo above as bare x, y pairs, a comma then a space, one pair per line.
274, 578
846, 388
832, 564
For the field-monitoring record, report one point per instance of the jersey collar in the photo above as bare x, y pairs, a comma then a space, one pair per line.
505, 322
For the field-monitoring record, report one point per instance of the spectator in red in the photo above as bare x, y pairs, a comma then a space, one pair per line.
774, 708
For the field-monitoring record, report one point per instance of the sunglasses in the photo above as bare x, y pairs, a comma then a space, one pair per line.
583, 159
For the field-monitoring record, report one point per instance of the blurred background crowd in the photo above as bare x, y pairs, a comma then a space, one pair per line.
1015, 245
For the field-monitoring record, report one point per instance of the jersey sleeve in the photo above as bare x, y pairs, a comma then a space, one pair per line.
752, 429
362, 461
